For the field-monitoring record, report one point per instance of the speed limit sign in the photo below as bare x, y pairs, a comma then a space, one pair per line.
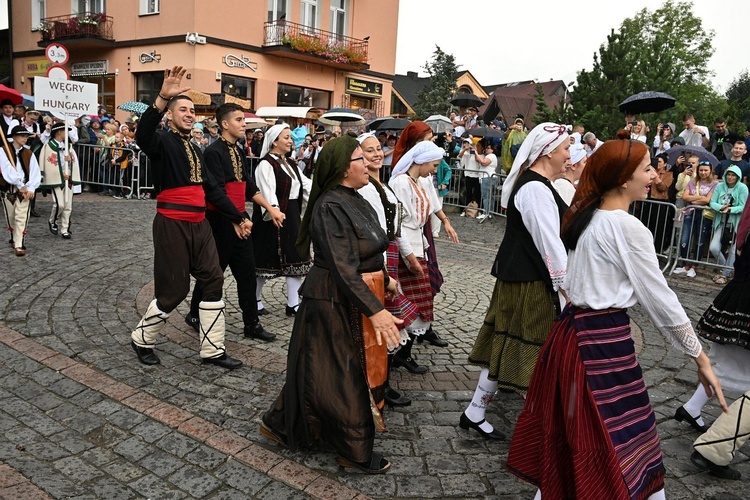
57, 53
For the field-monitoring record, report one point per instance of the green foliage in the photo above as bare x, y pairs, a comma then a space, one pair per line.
562, 112
666, 50
738, 98
433, 99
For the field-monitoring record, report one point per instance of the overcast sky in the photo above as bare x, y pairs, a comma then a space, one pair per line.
507, 41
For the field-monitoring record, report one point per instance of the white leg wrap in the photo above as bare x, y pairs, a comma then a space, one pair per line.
212, 325
149, 327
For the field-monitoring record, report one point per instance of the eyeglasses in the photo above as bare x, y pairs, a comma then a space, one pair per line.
359, 158
705, 163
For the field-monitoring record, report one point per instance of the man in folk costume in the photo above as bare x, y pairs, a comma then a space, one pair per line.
20, 178
183, 244
227, 163
60, 172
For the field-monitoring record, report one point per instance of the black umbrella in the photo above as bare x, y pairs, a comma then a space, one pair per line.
485, 132
394, 124
466, 100
374, 124
646, 102
676, 151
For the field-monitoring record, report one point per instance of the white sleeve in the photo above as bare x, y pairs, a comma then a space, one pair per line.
429, 187
541, 217
45, 136
35, 175
9, 172
306, 186
73, 134
657, 142
403, 191
266, 182
651, 288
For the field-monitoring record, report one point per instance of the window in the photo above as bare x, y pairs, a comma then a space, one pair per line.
38, 12
147, 86
338, 17
95, 6
149, 7
277, 9
309, 13
244, 88
292, 95
106, 92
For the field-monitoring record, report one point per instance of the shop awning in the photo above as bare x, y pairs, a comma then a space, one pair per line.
289, 111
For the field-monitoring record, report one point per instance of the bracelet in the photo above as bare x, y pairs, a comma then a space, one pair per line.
162, 97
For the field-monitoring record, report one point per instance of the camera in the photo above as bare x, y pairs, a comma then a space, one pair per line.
472, 151
634, 122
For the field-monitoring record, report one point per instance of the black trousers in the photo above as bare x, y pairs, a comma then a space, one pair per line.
182, 249
473, 190
237, 254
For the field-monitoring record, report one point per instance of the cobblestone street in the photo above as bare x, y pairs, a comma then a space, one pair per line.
82, 418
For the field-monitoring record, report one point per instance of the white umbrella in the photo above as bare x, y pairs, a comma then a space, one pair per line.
341, 116
440, 124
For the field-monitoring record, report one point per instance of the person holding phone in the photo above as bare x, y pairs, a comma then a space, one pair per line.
664, 138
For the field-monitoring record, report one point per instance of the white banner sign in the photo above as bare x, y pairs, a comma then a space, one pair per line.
65, 96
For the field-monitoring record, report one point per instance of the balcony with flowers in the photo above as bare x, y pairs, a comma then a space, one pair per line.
86, 27
297, 41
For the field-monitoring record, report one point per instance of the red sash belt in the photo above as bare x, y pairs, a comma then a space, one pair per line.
236, 193
187, 203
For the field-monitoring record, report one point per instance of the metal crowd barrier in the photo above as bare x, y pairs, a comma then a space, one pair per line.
694, 240
98, 172
659, 217
490, 189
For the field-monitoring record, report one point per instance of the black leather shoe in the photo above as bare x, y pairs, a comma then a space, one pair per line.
223, 361
291, 311
271, 434
34, 214
432, 337
53, 228
258, 332
193, 322
409, 364
394, 399
145, 355
682, 414
66, 235
722, 471
465, 423
262, 311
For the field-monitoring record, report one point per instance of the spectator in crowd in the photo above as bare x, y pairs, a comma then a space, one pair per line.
637, 129
7, 116
661, 219
696, 222
723, 139
108, 172
694, 135
514, 137
122, 163
19, 112
739, 150
487, 163
472, 173
257, 143
664, 138
472, 119
196, 137
442, 182
388, 149
728, 201
19, 171
688, 173
459, 122
213, 132
747, 141
591, 143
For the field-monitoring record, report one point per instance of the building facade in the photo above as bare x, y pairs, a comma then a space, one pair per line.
262, 53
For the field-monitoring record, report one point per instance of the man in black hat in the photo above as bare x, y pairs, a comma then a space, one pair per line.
60, 172
228, 164
7, 107
20, 178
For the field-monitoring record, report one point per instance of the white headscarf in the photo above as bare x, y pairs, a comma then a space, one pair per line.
361, 138
544, 138
576, 153
272, 134
423, 152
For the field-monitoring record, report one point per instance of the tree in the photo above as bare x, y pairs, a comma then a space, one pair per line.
433, 99
562, 112
738, 99
666, 50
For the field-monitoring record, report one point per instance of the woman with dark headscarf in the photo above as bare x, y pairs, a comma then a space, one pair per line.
587, 429
342, 331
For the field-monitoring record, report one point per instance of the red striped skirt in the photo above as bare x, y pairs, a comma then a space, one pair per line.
399, 305
587, 429
417, 289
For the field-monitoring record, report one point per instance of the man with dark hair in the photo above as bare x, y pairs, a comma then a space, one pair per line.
739, 150
723, 139
183, 244
694, 135
226, 162
7, 109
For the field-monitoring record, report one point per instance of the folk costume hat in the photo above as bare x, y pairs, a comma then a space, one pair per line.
423, 152
542, 140
576, 152
272, 134
18, 130
330, 167
57, 126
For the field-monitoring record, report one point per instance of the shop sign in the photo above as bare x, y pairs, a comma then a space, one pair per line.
90, 68
363, 87
234, 61
37, 67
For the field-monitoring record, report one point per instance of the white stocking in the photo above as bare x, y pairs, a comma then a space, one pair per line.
293, 285
483, 394
538, 495
259, 282
696, 404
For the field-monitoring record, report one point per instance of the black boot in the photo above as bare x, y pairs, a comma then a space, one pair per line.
258, 332
145, 355
193, 321
432, 337
403, 358
394, 399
